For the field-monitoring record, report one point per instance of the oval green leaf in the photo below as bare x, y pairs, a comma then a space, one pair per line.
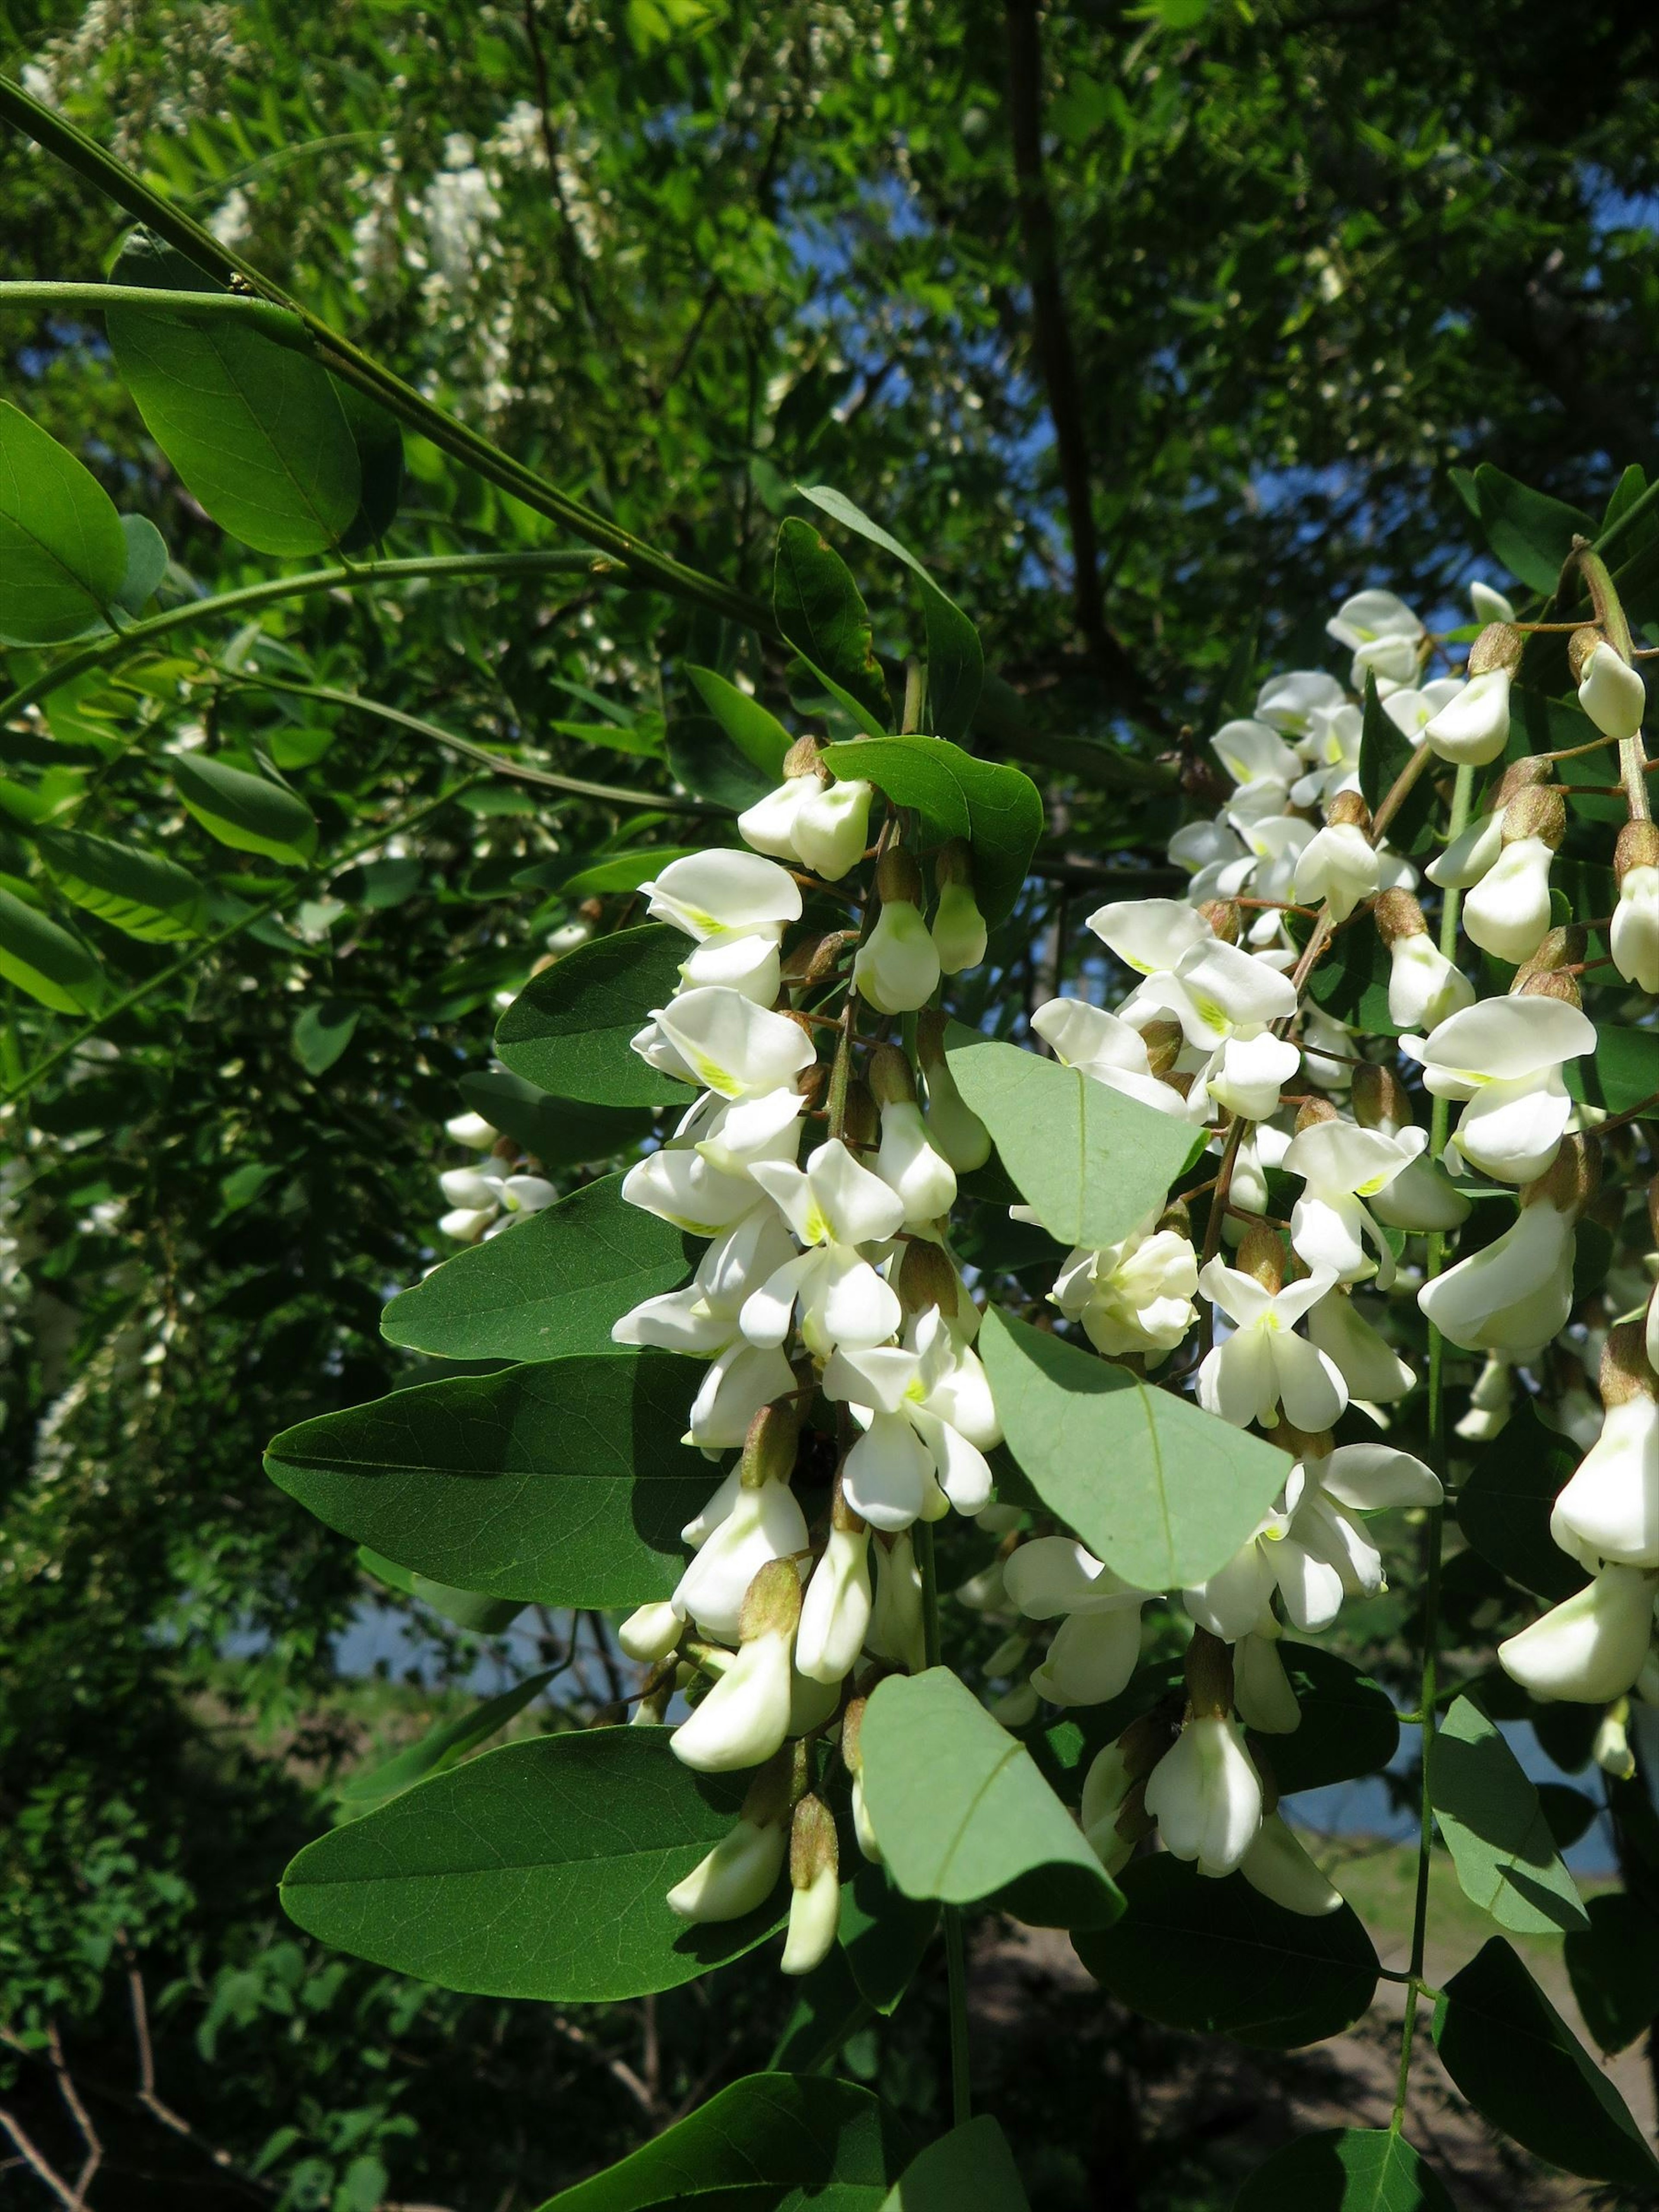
1220, 1957
1345, 2170
551, 1286
569, 1028
1615, 1967
758, 736
1503, 1508
539, 1870
437, 1751
565, 1483
63, 553
971, 2166
973, 1818
147, 562
45, 961
773, 2142
249, 813
1163, 1491
821, 612
999, 810
1494, 1826
1091, 1162
1519, 2064
469, 1609
139, 893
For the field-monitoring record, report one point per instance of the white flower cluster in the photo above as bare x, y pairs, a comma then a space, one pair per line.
834, 1326
1214, 1032
495, 1190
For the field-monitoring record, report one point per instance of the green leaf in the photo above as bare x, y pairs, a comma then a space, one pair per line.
1345, 2170
955, 662
550, 1287
322, 1033
1220, 1957
140, 893
972, 1818
561, 1133
972, 2167
828, 2008
1348, 1722
469, 1609
1531, 533
1503, 1508
48, 962
147, 562
1521, 2066
772, 2142
569, 1028
1494, 1826
820, 613
540, 1870
63, 553
438, 1750
999, 810
380, 443
565, 1483
1615, 1967
1385, 751
883, 1934
254, 428
1091, 1162
1622, 1071
703, 759
758, 736
626, 872
1163, 1491
249, 813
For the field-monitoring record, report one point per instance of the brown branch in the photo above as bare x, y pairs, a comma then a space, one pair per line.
1058, 360
54, 2181
618, 2068
78, 2113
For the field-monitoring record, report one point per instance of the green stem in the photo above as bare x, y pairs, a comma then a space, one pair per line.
1610, 614
614, 795
354, 366
955, 1950
200, 949
1433, 1531
358, 577
280, 325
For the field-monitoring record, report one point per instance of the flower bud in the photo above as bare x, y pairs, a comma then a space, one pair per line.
1635, 933
1531, 982
1591, 1647
1610, 1750
959, 932
737, 1877
650, 1634
860, 1120
1205, 1795
958, 1132
1225, 917
836, 1611
1571, 1182
1540, 811
1581, 649
1380, 1100
1612, 692
473, 1131
1263, 1689
891, 1083
897, 966
1164, 1042
815, 1887
1609, 1510
1313, 1110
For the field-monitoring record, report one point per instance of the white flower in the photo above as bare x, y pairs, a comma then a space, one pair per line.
1474, 727
1490, 605
724, 895
1097, 1645
473, 1131
958, 931
815, 1889
1134, 1296
722, 1041
650, 1633
825, 826
737, 1877
1341, 1166
896, 1630
1205, 1795
956, 1132
1612, 693
908, 1164
1105, 1787
1338, 863
742, 1380
1262, 1689
1280, 1869
1149, 934
1515, 1295
1263, 1362
1226, 999
700, 1180
1374, 1372
1110, 1049
1310, 1548
761, 1523
485, 1200
928, 1420
701, 1319
834, 1612
1490, 1401
1591, 1647
1207, 850
1260, 764
1425, 987
896, 967
1299, 702
1635, 933
745, 1716
1383, 634
1412, 709
833, 1205
1508, 912
1503, 1057
1609, 1510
